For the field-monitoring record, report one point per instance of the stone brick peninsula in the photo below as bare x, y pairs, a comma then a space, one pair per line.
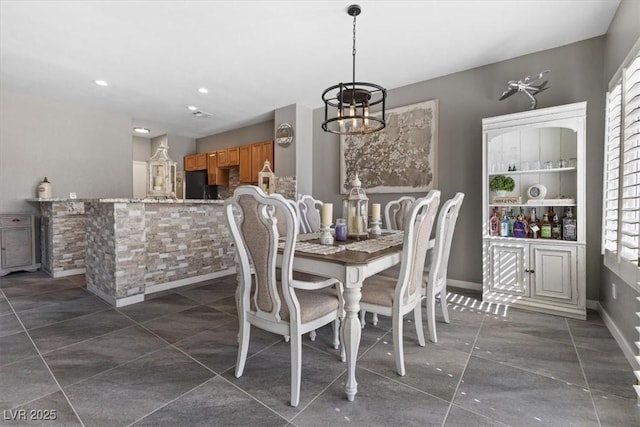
129, 248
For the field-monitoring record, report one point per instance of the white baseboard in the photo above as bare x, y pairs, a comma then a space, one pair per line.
593, 304
65, 273
112, 300
617, 335
188, 281
121, 302
464, 284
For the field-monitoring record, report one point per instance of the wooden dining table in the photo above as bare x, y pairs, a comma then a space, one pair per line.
351, 267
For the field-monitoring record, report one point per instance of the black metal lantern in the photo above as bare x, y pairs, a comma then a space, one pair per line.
351, 101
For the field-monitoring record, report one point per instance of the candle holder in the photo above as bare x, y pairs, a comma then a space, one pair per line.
355, 209
325, 235
375, 231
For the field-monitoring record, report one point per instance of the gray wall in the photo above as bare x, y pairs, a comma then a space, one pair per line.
622, 34
303, 138
285, 157
233, 138
296, 159
467, 97
141, 149
79, 149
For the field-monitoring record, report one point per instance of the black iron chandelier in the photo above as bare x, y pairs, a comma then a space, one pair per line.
351, 101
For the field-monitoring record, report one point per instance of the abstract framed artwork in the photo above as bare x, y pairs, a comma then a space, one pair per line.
401, 158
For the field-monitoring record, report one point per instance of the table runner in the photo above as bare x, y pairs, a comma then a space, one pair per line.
387, 240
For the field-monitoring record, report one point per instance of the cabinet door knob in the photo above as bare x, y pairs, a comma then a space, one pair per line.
529, 271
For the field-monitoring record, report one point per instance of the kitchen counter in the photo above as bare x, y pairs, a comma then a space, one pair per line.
124, 200
129, 248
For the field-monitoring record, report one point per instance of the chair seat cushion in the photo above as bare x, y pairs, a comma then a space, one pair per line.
391, 272
313, 304
379, 290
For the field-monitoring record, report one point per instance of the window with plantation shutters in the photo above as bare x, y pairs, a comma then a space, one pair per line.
612, 169
621, 195
630, 215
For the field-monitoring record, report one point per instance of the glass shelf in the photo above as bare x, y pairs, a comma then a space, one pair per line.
529, 240
536, 171
532, 205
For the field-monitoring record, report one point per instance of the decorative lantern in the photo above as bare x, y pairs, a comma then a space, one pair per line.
267, 179
355, 210
161, 174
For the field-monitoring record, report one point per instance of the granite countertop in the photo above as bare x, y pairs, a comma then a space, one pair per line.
125, 200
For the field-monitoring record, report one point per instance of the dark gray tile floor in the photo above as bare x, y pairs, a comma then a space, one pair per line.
169, 361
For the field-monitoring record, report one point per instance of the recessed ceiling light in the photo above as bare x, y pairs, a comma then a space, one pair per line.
203, 90
101, 83
141, 130
192, 108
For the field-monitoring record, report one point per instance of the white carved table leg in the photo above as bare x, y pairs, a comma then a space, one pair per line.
351, 329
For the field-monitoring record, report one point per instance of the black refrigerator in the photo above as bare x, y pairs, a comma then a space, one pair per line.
196, 186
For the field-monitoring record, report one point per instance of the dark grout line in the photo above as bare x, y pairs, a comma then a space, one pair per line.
466, 365
584, 374
45, 364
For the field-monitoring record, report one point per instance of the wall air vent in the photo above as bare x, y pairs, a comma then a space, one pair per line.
202, 114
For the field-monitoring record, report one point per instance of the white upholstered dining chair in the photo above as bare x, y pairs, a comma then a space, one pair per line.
309, 209
287, 307
303, 227
396, 297
395, 212
435, 280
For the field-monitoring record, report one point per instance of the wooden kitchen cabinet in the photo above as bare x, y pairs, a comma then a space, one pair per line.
244, 160
261, 151
223, 158
228, 157
195, 162
17, 243
216, 175
233, 156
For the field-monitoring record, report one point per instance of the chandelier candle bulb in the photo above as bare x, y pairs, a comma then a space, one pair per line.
327, 214
375, 212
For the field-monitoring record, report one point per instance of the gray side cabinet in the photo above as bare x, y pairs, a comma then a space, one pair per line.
17, 243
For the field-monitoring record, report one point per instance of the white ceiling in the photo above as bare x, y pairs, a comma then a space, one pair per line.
257, 56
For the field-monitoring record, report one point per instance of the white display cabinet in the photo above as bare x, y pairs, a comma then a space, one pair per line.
543, 151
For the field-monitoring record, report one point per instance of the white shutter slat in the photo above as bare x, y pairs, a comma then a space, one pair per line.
629, 205
613, 123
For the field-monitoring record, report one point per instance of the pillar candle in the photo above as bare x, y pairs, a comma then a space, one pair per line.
326, 214
375, 212
352, 219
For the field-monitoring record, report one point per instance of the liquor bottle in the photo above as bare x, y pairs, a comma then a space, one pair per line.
494, 223
545, 228
504, 224
512, 220
534, 225
556, 226
569, 226
520, 227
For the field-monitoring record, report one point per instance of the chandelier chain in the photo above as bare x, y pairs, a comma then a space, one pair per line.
353, 52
